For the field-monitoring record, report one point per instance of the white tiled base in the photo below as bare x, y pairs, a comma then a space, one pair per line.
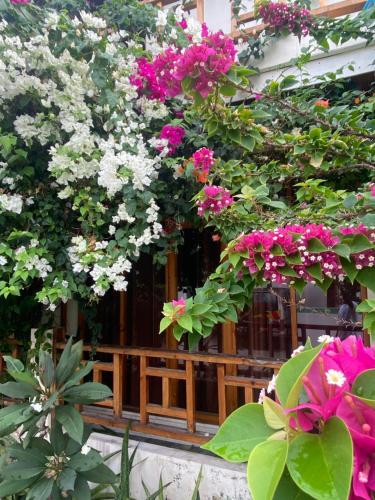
220, 479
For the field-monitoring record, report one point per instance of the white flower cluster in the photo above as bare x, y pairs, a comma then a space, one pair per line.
88, 117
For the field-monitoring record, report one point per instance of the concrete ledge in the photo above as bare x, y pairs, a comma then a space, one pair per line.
220, 479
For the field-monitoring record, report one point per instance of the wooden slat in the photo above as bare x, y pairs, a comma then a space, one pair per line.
166, 393
229, 347
172, 411
103, 366
244, 381
221, 393
144, 389
117, 384
200, 10
152, 371
249, 395
190, 396
171, 287
107, 403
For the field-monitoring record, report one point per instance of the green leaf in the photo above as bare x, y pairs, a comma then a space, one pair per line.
70, 418
13, 364
349, 268
186, 322
164, 324
228, 90
259, 261
81, 489
46, 368
289, 379
364, 386
360, 243
198, 309
265, 468
316, 246
87, 393
12, 416
67, 479
18, 390
366, 277
11, 487
22, 469
288, 490
274, 414
82, 463
240, 433
41, 490
342, 250
321, 464
315, 271
100, 475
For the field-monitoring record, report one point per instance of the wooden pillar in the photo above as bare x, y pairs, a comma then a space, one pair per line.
171, 290
229, 346
200, 10
293, 318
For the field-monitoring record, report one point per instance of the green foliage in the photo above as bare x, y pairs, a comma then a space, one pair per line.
51, 457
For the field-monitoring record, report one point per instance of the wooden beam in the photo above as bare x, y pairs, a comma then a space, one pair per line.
200, 10
171, 290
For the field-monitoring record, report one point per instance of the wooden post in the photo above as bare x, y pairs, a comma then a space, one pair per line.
200, 10
117, 385
293, 318
144, 390
221, 393
171, 290
249, 395
229, 346
190, 396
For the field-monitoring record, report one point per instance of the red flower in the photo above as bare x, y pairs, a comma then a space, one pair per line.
322, 103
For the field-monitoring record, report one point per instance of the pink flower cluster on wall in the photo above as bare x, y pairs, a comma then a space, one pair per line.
204, 63
295, 19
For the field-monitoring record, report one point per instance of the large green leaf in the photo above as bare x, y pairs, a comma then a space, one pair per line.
364, 387
87, 393
41, 490
81, 489
288, 490
69, 361
70, 418
11, 487
13, 364
240, 433
100, 475
265, 467
82, 463
366, 277
322, 464
67, 479
46, 368
289, 379
22, 469
18, 390
12, 416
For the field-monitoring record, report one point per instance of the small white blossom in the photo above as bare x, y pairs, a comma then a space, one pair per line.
335, 377
272, 384
325, 339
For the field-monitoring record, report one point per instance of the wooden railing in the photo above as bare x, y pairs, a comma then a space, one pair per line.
167, 377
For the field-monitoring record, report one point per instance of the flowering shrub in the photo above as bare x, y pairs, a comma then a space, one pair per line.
318, 436
286, 17
50, 456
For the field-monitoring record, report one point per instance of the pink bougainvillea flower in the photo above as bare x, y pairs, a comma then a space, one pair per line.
19, 2
174, 134
180, 306
203, 159
322, 103
214, 200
